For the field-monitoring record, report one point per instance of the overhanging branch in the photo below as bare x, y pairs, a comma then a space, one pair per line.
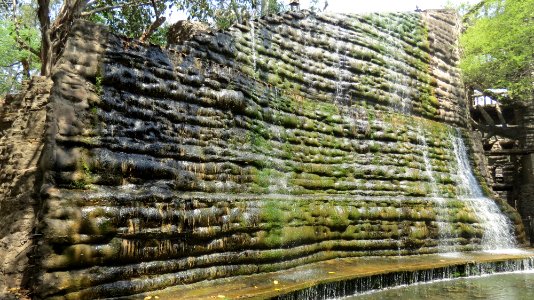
150, 30
96, 10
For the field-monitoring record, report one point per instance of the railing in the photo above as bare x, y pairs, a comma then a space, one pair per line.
483, 101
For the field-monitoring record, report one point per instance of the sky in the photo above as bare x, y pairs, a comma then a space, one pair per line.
362, 6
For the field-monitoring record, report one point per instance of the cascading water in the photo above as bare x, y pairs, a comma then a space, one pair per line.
445, 242
400, 85
497, 227
253, 40
339, 72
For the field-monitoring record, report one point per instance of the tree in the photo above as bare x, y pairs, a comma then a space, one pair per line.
19, 44
497, 47
24, 50
21, 29
225, 13
135, 20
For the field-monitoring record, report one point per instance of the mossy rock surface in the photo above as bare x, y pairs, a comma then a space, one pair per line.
251, 151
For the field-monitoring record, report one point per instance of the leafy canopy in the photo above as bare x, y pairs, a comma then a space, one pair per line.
498, 47
17, 62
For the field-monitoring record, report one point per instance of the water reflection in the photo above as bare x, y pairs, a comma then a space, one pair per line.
508, 286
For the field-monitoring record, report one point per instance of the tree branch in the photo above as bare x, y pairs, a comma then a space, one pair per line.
16, 34
473, 10
238, 16
11, 65
150, 30
43, 13
135, 2
4, 4
25, 46
155, 9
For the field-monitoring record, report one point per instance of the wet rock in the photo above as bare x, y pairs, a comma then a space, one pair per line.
283, 141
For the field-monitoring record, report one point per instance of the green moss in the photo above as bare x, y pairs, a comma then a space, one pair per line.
419, 233
79, 184
98, 85
273, 214
266, 177
416, 189
274, 238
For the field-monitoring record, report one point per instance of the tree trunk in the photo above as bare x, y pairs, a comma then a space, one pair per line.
54, 36
43, 13
25, 68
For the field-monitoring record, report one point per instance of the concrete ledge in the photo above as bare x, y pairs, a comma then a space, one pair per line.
341, 277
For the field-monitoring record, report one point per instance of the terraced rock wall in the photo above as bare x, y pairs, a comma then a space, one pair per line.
22, 128
284, 141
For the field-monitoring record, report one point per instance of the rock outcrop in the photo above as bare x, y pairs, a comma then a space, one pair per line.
22, 132
287, 140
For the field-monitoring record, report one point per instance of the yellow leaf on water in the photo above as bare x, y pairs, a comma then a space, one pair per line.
221, 296
148, 297
276, 289
331, 272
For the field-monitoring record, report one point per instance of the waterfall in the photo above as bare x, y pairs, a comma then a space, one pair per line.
395, 59
444, 227
341, 56
497, 227
253, 40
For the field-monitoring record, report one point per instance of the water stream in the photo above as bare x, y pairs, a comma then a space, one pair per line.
341, 56
498, 230
445, 244
253, 40
507, 286
407, 285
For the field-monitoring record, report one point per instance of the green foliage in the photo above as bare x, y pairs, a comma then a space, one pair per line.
223, 13
497, 48
126, 17
130, 20
17, 62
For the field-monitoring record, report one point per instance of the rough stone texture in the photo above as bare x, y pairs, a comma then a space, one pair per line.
504, 169
526, 181
22, 127
184, 30
291, 139
483, 171
510, 162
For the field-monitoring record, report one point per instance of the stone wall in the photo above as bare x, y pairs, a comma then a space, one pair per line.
22, 128
287, 140
509, 159
525, 193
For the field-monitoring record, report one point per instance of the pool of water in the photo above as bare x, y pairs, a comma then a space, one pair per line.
508, 286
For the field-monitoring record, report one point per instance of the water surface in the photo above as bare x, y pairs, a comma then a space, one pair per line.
508, 286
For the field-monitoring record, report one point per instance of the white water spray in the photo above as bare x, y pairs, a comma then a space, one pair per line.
253, 40
444, 227
497, 227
